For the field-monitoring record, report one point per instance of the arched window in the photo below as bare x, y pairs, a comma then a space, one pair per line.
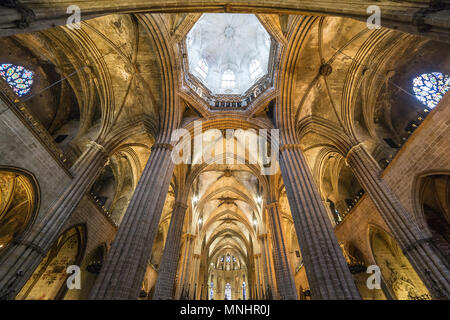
429, 88
228, 79
17, 77
211, 291
228, 291
202, 68
255, 70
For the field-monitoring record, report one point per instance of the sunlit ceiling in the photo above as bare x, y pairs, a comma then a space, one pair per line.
228, 53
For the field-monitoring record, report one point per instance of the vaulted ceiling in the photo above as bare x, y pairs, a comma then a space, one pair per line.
109, 79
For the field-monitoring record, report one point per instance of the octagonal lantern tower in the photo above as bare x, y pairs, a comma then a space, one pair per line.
230, 60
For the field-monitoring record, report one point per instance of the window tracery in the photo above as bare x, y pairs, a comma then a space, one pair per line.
17, 77
429, 88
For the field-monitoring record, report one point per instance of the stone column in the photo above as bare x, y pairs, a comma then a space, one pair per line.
122, 275
195, 274
184, 265
268, 265
24, 255
256, 277
178, 282
262, 279
330, 213
185, 271
283, 272
259, 276
416, 246
169, 260
327, 271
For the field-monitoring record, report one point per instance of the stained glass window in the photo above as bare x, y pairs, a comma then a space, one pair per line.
429, 88
18, 78
228, 291
211, 291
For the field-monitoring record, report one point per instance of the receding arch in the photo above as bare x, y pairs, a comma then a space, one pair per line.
90, 268
431, 196
398, 274
358, 264
19, 203
48, 282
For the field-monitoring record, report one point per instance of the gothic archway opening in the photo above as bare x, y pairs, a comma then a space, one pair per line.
115, 185
48, 282
104, 188
358, 267
153, 265
396, 271
435, 203
19, 203
339, 186
228, 274
90, 268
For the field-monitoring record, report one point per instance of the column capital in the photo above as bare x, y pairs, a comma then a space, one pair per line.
167, 146
98, 146
179, 204
263, 236
196, 256
30, 245
415, 244
27, 15
271, 204
355, 148
290, 146
189, 236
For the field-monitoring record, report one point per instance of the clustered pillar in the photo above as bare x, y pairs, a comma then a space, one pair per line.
283, 273
259, 276
184, 256
328, 274
194, 276
169, 262
268, 275
122, 275
414, 243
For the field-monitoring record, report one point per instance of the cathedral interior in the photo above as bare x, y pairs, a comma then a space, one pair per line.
90, 120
